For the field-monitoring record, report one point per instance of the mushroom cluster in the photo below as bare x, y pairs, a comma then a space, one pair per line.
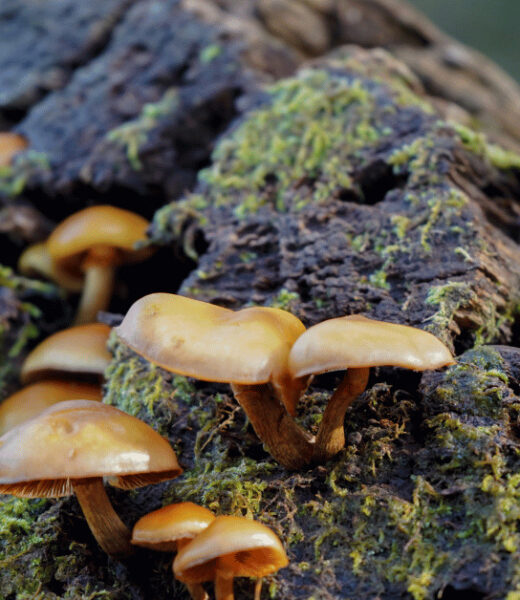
82, 253
268, 358
59, 439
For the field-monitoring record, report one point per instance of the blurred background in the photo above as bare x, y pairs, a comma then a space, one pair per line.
491, 26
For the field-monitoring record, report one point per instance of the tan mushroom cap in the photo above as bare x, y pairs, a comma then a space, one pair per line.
10, 144
357, 342
98, 226
208, 342
34, 399
36, 261
237, 546
162, 528
82, 439
80, 349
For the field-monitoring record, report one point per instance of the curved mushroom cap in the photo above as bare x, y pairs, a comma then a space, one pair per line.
80, 439
10, 144
237, 546
208, 342
98, 226
161, 529
80, 349
35, 398
36, 261
356, 341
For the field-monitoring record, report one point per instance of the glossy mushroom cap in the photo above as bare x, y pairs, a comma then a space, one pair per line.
79, 440
358, 342
236, 546
208, 342
98, 226
36, 261
34, 399
163, 528
10, 144
78, 350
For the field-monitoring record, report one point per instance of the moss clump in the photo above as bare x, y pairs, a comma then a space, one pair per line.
478, 143
133, 134
20, 319
14, 178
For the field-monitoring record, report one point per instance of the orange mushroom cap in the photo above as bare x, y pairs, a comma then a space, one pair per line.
163, 528
208, 342
10, 144
79, 440
34, 399
80, 349
237, 546
358, 342
98, 227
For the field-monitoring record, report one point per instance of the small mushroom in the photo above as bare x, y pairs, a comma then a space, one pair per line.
172, 527
70, 447
79, 351
36, 261
230, 547
248, 348
34, 399
10, 144
357, 343
91, 243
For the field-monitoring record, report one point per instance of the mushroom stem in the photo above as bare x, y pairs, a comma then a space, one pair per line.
223, 587
108, 529
331, 434
97, 290
196, 591
290, 445
258, 588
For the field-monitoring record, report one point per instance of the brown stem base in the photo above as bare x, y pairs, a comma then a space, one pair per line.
108, 529
287, 443
331, 435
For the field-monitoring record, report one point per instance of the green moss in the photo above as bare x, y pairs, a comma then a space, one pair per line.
284, 300
13, 178
478, 144
209, 53
17, 331
133, 134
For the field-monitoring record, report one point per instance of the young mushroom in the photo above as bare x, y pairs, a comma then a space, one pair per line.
230, 547
10, 144
34, 399
248, 348
70, 447
36, 261
91, 243
170, 528
357, 343
77, 351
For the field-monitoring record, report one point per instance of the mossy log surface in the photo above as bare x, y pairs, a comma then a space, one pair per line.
340, 189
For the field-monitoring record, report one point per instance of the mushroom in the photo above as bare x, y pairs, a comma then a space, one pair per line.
357, 343
91, 243
170, 528
230, 547
248, 348
34, 399
36, 261
10, 144
70, 447
78, 351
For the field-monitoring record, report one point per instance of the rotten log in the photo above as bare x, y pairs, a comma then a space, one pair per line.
340, 189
